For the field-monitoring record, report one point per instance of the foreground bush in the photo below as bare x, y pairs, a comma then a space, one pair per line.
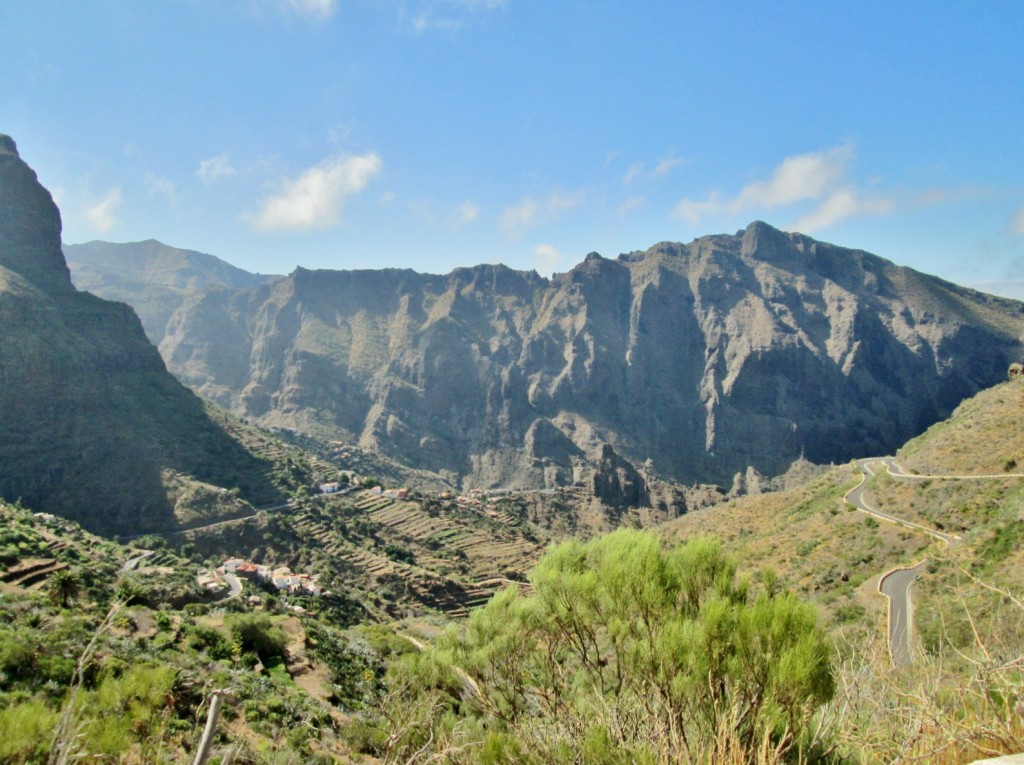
623, 650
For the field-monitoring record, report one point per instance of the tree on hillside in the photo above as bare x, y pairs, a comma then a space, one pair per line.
627, 649
64, 588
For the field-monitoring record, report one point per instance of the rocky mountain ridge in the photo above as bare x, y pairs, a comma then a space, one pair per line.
691, 363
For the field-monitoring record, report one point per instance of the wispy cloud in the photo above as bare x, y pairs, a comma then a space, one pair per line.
1018, 222
639, 171
164, 187
314, 199
816, 177
215, 168
666, 165
635, 171
317, 10
844, 203
546, 259
447, 15
101, 214
531, 212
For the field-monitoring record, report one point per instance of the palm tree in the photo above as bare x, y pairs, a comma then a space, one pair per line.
64, 588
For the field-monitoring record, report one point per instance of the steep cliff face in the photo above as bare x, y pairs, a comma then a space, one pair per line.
700, 360
92, 425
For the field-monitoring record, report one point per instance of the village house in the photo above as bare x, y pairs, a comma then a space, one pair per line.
210, 581
283, 578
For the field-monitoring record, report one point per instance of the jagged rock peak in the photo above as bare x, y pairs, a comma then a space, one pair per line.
767, 243
29, 224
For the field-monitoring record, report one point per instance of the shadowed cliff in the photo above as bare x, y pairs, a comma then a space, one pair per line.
92, 426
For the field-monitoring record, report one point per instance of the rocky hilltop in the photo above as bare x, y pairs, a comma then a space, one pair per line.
92, 426
729, 355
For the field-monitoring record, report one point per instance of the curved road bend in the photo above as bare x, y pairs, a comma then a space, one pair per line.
896, 584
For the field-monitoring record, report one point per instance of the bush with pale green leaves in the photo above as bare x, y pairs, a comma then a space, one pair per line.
631, 650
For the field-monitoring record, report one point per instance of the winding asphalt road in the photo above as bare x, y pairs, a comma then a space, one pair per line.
895, 584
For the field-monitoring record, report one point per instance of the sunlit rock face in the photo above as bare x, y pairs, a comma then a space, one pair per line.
698, 361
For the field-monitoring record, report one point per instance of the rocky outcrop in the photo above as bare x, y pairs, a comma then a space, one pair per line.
30, 225
731, 354
91, 423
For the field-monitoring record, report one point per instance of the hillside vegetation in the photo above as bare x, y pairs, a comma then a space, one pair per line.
957, 701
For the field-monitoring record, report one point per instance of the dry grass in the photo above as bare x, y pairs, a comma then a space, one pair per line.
982, 436
817, 544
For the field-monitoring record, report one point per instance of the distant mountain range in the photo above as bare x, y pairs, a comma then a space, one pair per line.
153, 277
689, 362
92, 426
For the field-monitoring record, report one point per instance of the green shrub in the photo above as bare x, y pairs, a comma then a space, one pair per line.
26, 729
254, 633
622, 628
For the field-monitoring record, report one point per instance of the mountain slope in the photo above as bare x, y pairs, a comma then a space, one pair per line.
153, 277
696, 361
92, 426
824, 549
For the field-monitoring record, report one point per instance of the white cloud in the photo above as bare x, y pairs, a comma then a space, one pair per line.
318, 10
546, 259
214, 168
805, 176
666, 165
842, 204
634, 172
162, 186
314, 199
101, 214
529, 212
813, 177
1018, 222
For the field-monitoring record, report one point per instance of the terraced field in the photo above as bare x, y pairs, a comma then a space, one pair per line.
449, 559
32, 573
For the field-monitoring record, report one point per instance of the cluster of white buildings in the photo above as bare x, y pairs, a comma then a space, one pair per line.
377, 491
282, 578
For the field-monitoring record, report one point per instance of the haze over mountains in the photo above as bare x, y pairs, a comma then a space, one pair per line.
690, 362
153, 277
92, 426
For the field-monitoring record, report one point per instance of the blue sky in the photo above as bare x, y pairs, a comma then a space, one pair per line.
436, 133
